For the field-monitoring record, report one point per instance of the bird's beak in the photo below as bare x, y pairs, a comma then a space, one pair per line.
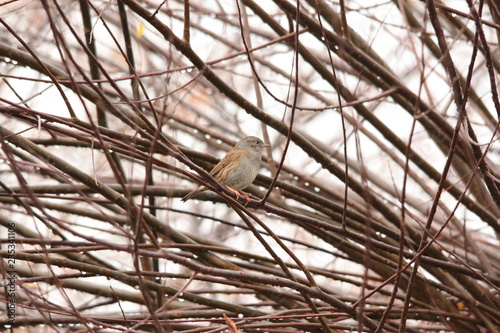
266, 145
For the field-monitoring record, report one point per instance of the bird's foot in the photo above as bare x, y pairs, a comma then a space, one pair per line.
240, 193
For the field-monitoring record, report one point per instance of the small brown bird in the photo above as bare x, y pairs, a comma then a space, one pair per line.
238, 169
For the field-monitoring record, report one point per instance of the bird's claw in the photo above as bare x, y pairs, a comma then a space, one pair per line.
239, 194
247, 198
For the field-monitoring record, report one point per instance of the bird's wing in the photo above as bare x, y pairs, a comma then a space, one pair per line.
217, 168
226, 160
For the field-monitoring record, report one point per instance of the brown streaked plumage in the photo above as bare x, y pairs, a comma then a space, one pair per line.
238, 168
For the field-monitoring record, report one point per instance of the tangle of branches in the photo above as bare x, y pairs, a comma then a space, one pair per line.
377, 206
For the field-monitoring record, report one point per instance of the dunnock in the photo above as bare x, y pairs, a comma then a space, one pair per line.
238, 168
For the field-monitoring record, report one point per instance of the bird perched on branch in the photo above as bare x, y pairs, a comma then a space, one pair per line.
238, 169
